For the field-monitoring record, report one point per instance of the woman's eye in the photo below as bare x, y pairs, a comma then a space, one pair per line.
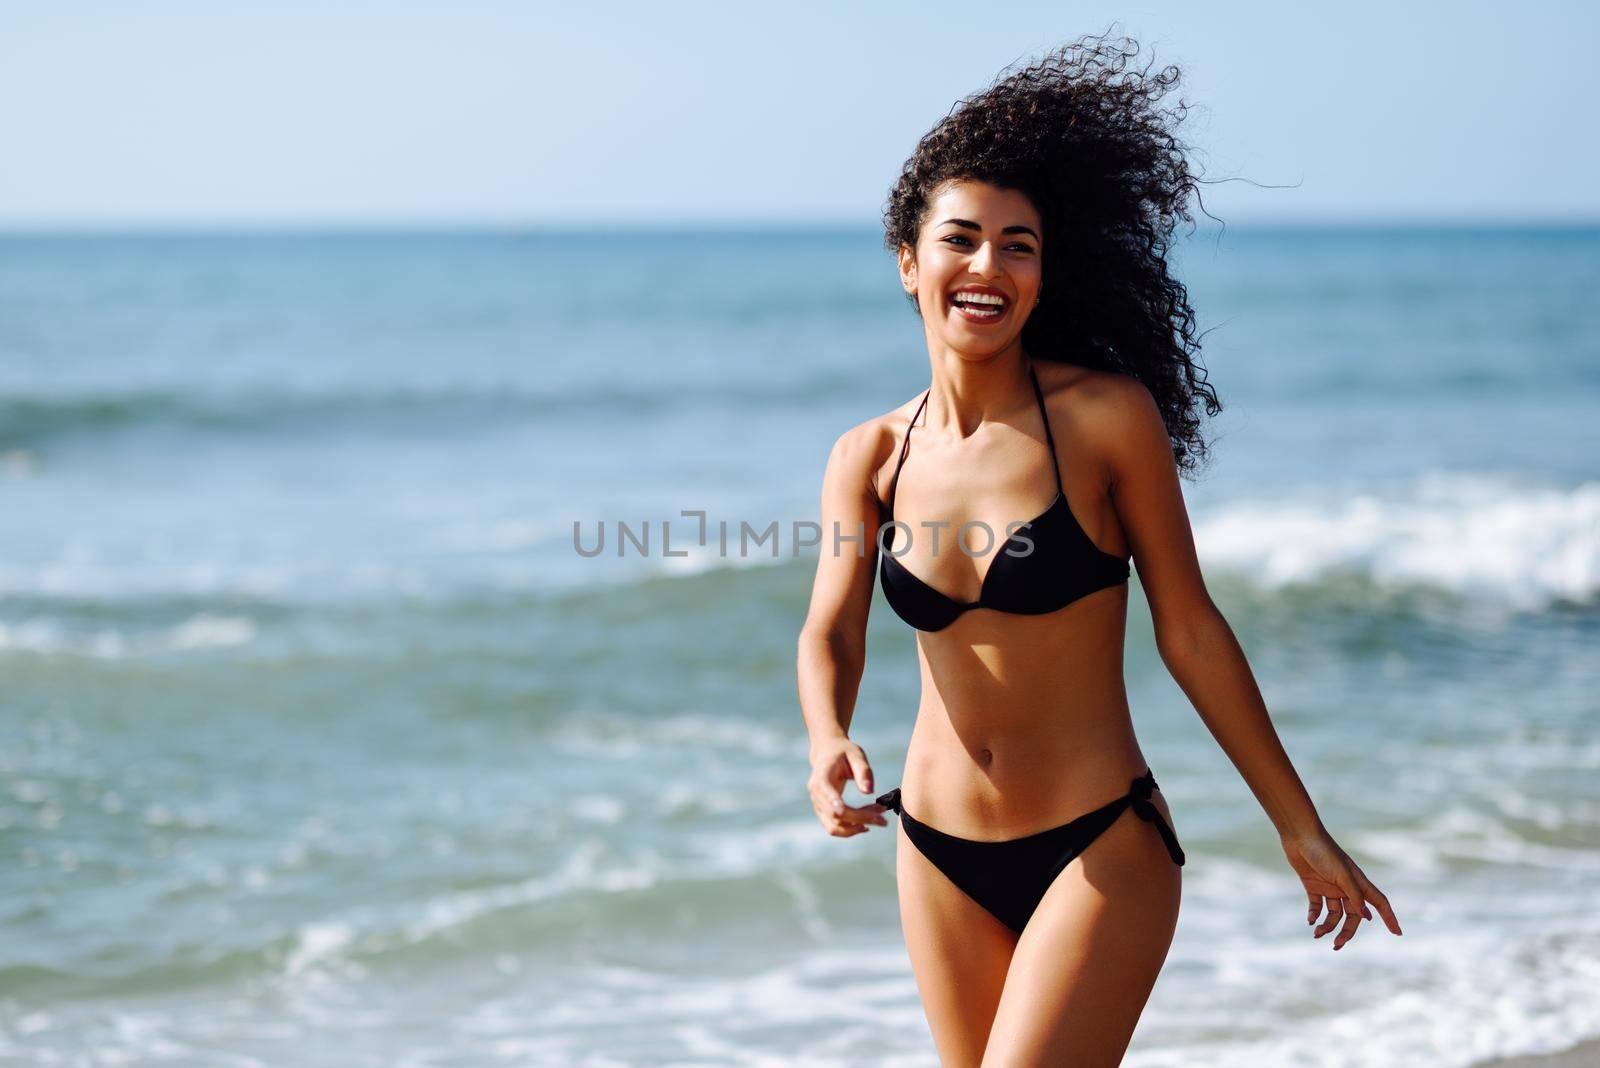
1015, 245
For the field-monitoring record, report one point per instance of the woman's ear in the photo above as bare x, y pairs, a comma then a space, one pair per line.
908, 269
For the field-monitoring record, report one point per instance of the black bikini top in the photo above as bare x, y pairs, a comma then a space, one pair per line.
1063, 566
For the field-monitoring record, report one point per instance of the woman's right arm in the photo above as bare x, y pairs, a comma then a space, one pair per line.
833, 641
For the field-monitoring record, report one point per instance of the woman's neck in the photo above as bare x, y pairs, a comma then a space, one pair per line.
966, 393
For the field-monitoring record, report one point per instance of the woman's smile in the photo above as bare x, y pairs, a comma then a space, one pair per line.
980, 304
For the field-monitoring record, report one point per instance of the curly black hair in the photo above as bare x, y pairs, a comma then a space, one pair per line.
1086, 138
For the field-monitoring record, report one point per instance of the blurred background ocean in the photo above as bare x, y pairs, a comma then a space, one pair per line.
321, 745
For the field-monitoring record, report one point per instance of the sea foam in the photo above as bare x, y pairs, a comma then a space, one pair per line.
1474, 534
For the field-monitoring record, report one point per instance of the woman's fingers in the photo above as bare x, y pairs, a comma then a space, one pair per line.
826, 784
856, 820
825, 797
1352, 920
860, 770
1354, 905
863, 814
1335, 914
1382, 903
839, 818
852, 820
1356, 891
1334, 880
828, 777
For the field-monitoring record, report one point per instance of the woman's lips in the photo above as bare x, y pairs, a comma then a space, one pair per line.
981, 317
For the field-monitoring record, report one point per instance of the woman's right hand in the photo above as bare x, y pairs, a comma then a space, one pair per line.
832, 764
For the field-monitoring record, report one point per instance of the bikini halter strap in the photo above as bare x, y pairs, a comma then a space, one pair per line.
1048, 437
894, 483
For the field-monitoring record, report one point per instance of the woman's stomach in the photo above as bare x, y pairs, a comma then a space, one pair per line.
1022, 719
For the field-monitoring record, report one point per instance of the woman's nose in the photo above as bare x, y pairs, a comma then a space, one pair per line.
983, 260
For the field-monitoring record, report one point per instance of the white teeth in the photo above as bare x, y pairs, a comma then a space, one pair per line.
981, 298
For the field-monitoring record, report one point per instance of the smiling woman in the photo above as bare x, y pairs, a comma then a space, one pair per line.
1031, 229
1093, 149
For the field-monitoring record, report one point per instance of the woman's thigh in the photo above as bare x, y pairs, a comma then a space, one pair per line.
959, 953
1086, 962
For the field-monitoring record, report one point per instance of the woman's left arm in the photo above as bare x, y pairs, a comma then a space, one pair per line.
1202, 653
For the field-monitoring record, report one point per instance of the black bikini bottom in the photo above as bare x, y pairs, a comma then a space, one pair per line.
1010, 877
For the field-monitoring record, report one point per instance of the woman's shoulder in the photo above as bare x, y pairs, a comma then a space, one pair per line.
872, 435
1091, 397
863, 450
1110, 417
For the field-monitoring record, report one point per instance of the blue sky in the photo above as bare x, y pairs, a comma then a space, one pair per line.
191, 114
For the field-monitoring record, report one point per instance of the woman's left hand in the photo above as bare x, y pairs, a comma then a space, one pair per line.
1331, 877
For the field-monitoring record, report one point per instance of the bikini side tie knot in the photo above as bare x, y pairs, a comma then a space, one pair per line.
1139, 798
890, 800
1140, 791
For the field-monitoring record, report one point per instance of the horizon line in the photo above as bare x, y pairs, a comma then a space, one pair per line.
333, 225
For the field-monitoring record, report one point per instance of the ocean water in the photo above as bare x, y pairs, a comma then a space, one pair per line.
320, 744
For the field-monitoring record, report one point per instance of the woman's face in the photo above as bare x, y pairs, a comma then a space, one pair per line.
976, 237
